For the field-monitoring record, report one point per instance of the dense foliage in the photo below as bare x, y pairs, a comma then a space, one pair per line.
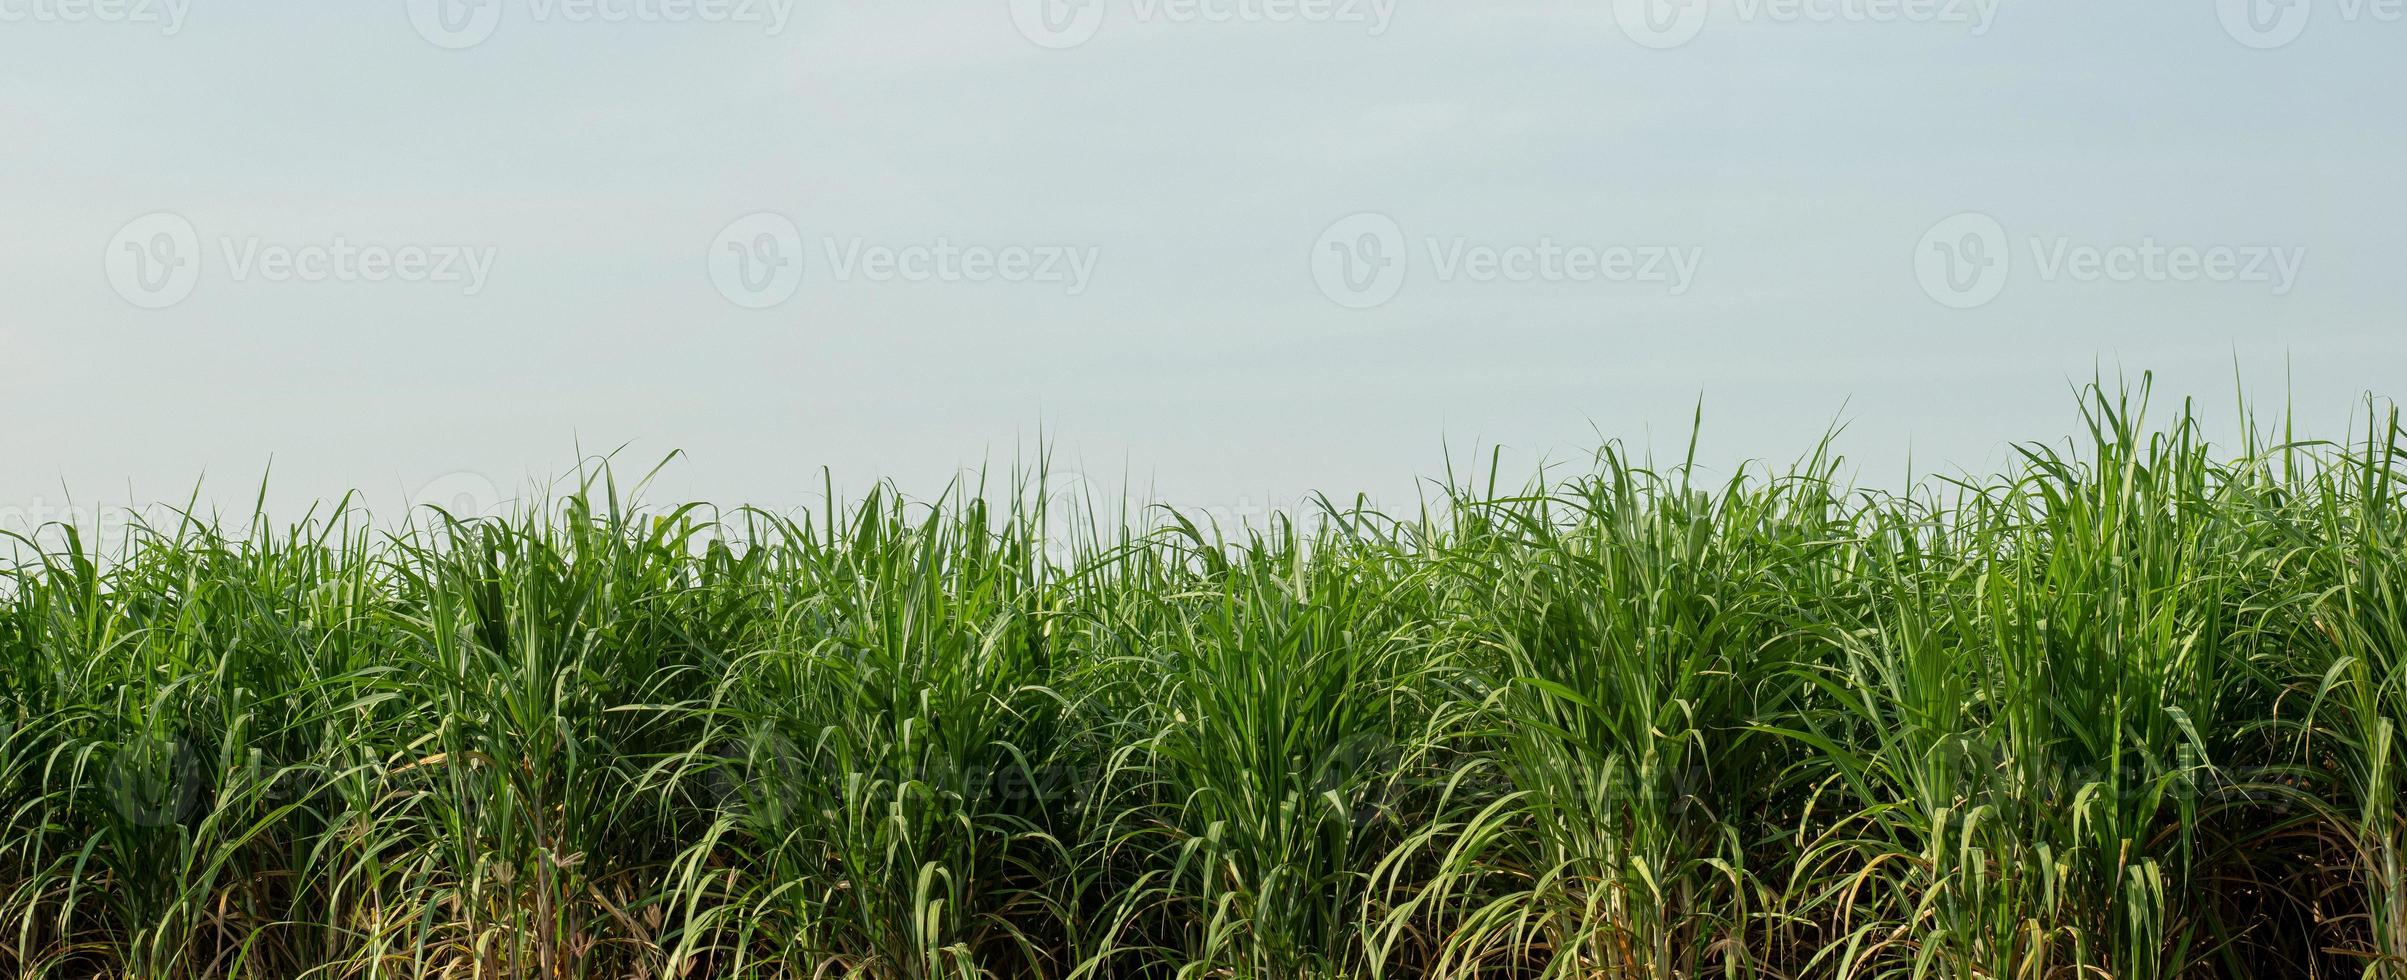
2129, 709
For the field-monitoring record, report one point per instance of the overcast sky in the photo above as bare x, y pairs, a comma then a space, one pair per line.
1231, 249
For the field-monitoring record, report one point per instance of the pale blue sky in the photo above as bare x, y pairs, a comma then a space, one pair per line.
1798, 163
